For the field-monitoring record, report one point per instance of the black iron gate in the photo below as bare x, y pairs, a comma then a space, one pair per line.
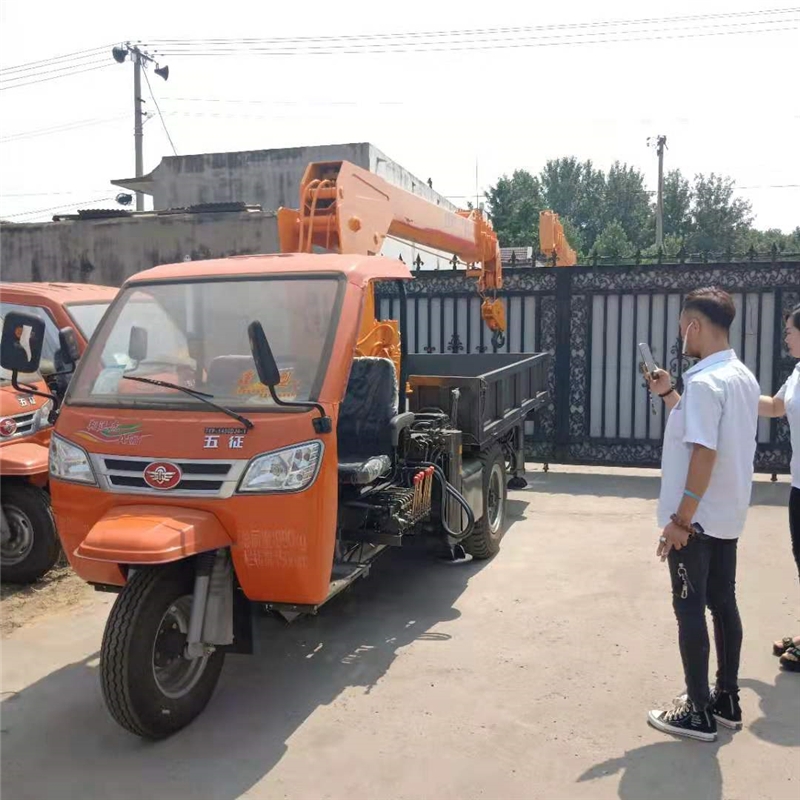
591, 320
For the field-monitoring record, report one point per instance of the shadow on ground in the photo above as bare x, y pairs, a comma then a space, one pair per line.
643, 487
666, 771
57, 736
780, 709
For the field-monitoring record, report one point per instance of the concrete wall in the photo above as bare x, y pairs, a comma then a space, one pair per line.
269, 178
109, 251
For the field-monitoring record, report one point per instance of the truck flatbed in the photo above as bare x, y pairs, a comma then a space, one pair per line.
497, 391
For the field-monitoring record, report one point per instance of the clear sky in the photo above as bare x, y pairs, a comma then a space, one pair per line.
727, 103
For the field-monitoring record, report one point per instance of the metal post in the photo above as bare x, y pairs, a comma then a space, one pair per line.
660, 143
137, 120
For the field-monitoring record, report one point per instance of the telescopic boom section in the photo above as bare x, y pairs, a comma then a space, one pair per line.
552, 241
347, 209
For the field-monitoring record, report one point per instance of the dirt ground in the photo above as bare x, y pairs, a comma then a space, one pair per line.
526, 677
60, 589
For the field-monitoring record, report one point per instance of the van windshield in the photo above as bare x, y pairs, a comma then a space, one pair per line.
194, 334
87, 316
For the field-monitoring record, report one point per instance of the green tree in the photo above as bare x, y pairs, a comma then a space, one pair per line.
627, 201
514, 204
613, 242
575, 191
678, 197
719, 217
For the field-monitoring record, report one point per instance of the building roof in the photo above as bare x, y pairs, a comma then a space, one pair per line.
61, 292
358, 269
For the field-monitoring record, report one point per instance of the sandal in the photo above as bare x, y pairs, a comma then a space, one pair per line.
779, 648
791, 659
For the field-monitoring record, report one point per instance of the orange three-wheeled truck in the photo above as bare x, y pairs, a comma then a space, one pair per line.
28, 540
245, 431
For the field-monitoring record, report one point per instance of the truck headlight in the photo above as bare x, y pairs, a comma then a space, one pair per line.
289, 470
42, 417
68, 462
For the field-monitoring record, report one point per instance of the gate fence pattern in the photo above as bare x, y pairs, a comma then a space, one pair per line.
591, 319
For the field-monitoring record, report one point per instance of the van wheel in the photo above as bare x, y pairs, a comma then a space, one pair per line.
484, 541
150, 688
30, 543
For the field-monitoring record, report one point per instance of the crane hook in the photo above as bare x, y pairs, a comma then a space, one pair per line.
498, 339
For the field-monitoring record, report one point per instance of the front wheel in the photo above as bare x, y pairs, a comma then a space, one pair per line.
30, 545
149, 686
484, 541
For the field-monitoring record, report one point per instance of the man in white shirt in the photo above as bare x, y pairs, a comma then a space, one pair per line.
707, 473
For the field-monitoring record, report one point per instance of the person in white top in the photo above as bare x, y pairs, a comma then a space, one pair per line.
707, 475
787, 403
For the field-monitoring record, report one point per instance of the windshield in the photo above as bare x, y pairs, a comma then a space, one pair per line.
195, 335
86, 316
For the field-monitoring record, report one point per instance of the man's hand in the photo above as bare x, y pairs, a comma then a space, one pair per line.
660, 382
672, 538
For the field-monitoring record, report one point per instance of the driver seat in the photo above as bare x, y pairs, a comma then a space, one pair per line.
367, 424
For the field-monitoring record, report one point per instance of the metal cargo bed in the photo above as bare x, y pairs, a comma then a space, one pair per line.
497, 390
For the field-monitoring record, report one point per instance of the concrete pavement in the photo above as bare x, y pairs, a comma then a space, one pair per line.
526, 677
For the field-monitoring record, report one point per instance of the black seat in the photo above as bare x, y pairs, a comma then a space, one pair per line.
365, 421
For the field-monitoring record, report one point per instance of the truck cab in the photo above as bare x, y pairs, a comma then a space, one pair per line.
30, 544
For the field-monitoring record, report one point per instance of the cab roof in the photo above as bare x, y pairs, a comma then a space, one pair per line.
357, 269
60, 292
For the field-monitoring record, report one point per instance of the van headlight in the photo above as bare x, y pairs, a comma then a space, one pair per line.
68, 462
41, 418
289, 470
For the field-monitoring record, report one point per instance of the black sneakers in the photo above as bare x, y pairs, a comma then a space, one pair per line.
685, 720
726, 709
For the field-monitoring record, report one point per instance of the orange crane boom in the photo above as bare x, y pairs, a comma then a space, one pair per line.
347, 209
552, 241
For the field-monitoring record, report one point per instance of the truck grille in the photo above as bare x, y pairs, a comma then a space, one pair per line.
25, 425
199, 477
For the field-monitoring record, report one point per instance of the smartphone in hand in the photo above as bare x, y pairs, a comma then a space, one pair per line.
649, 364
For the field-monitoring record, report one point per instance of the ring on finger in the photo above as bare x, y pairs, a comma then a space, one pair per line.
662, 539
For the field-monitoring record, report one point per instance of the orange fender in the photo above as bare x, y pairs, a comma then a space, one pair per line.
23, 459
150, 534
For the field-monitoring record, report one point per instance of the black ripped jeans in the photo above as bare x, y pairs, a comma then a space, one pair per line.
794, 524
704, 574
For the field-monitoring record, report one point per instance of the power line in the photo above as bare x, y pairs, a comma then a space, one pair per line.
328, 45
282, 102
483, 31
64, 128
53, 59
54, 77
54, 208
161, 116
56, 71
493, 46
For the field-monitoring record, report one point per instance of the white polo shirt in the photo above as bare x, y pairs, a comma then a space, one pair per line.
719, 410
790, 394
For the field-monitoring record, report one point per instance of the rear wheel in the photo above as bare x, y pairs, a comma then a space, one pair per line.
484, 541
150, 688
30, 544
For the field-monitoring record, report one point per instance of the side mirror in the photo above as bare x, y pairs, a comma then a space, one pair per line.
266, 366
21, 343
137, 344
68, 345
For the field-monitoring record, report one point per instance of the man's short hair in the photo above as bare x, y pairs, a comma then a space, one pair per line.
714, 304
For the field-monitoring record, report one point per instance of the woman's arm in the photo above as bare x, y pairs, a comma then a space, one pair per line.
771, 407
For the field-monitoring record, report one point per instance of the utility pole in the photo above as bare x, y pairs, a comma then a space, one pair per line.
661, 143
137, 121
139, 58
